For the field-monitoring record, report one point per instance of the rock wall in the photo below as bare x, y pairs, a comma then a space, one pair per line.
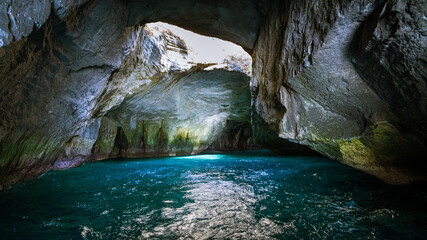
236, 136
150, 97
19, 18
172, 104
348, 81
346, 78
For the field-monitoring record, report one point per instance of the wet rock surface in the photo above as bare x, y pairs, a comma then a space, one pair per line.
345, 78
346, 72
152, 97
236, 136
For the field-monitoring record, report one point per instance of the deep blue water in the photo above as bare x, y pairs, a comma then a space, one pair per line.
249, 195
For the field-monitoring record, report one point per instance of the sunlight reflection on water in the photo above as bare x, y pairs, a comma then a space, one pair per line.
240, 196
203, 157
218, 209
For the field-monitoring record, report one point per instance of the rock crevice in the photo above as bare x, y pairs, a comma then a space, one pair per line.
344, 78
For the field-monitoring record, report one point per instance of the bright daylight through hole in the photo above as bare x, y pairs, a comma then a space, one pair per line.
198, 119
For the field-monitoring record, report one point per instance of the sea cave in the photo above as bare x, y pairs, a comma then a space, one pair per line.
196, 119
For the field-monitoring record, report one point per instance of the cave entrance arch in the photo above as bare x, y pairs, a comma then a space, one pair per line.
183, 93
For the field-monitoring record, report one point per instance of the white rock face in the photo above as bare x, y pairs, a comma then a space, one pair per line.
170, 100
162, 99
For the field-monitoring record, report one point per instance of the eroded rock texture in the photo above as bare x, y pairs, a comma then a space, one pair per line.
174, 105
82, 78
236, 21
151, 97
236, 135
348, 79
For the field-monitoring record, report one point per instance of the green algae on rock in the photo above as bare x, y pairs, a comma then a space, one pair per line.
325, 73
162, 100
342, 69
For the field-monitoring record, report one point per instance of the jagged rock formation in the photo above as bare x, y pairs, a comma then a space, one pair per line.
162, 100
236, 135
346, 78
18, 18
349, 80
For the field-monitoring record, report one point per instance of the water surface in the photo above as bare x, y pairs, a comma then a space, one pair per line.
248, 195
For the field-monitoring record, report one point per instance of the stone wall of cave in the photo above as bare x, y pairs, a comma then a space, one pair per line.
346, 78
163, 100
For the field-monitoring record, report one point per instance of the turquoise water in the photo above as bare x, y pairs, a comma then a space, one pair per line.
249, 195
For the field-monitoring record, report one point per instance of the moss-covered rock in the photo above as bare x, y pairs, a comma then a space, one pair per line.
347, 79
383, 150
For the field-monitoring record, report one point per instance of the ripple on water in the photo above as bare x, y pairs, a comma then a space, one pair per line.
218, 209
240, 196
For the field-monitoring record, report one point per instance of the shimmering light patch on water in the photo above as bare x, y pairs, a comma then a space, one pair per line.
252, 195
203, 157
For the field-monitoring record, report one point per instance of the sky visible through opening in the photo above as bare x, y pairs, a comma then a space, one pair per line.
204, 49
